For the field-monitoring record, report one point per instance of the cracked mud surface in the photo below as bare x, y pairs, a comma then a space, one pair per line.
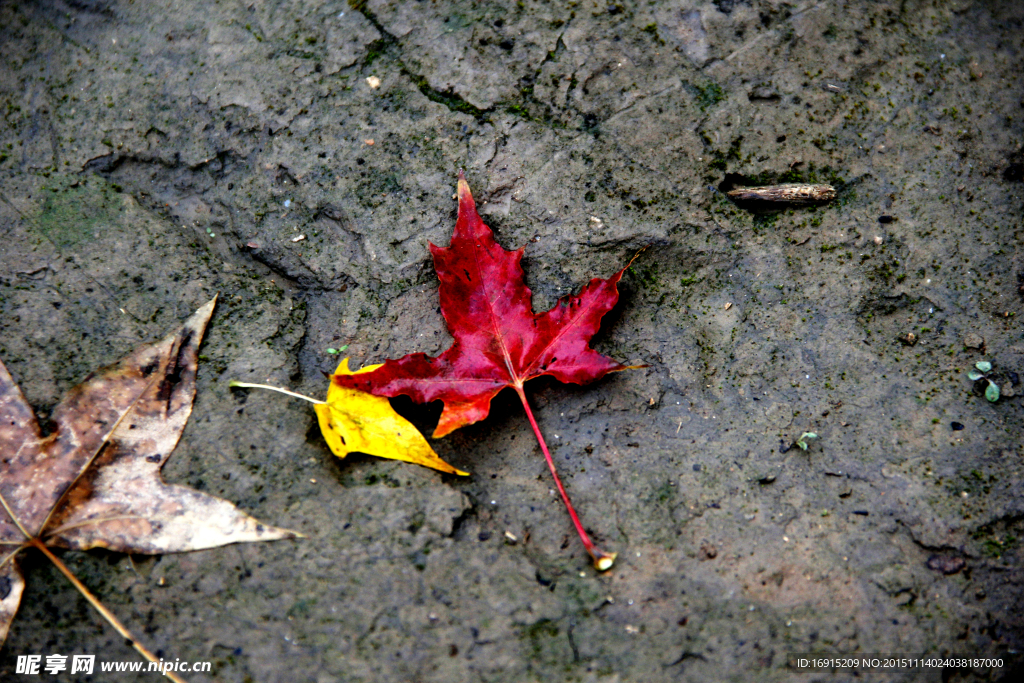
154, 155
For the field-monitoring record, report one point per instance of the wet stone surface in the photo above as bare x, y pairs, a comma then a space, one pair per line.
154, 155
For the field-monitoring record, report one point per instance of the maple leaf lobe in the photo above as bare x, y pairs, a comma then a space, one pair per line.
499, 341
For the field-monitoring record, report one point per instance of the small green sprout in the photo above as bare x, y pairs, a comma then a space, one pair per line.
335, 352
983, 368
802, 441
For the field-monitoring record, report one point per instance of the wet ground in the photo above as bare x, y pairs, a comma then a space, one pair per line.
153, 155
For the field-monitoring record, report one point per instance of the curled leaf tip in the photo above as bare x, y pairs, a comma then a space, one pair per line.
636, 256
603, 561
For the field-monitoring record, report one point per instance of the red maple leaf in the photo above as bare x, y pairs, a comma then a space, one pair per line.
499, 341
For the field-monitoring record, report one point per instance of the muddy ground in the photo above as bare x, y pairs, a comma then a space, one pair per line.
155, 154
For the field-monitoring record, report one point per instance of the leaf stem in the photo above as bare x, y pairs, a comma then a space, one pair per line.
249, 385
99, 606
602, 560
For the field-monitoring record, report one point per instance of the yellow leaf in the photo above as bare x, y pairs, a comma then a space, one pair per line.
353, 420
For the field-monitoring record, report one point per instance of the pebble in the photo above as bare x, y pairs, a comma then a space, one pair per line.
763, 92
909, 339
974, 341
945, 564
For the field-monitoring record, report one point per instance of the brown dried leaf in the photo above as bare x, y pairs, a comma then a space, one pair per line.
11, 586
95, 480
